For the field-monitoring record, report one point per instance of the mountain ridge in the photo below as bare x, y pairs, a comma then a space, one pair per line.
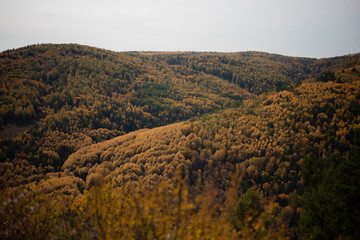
177, 51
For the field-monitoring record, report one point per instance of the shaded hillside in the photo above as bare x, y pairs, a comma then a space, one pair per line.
41, 80
256, 72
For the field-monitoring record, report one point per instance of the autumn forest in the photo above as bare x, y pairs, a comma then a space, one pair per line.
96, 144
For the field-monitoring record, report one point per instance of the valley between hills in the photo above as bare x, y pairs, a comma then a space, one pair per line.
96, 144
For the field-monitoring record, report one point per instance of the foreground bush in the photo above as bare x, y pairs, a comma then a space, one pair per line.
113, 213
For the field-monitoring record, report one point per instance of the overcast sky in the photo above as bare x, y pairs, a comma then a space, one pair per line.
309, 28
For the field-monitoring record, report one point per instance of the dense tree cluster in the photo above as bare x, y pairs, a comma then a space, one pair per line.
71, 95
104, 135
77, 90
266, 143
256, 72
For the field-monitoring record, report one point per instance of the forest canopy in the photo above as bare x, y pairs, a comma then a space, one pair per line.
174, 145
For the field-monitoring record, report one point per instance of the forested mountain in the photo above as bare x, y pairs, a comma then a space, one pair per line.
263, 145
75, 95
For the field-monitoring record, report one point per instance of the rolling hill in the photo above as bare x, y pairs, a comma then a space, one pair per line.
74, 118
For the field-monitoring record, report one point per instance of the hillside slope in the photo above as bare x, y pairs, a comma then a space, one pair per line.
265, 141
150, 144
70, 96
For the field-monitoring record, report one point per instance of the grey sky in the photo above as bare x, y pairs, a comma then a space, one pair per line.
311, 28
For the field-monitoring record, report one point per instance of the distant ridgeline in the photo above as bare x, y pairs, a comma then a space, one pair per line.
74, 117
